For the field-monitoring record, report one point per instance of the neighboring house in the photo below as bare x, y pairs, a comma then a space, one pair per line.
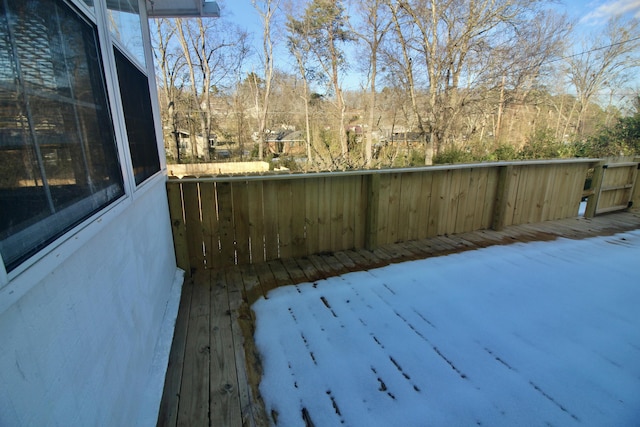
196, 145
286, 141
88, 281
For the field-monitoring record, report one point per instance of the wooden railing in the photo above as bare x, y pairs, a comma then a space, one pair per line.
226, 220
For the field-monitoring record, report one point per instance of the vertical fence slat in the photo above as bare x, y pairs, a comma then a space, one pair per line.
360, 212
409, 198
491, 197
437, 202
256, 220
570, 192
504, 184
348, 207
469, 186
241, 222
444, 203
225, 218
383, 209
549, 198
210, 230
324, 215
562, 176
298, 204
178, 226
460, 188
285, 219
336, 213
520, 197
482, 195
580, 176
538, 189
424, 201
512, 194
312, 190
476, 203
270, 197
373, 211
563, 179
395, 206
194, 225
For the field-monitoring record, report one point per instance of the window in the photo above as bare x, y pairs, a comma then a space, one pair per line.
125, 26
138, 116
58, 155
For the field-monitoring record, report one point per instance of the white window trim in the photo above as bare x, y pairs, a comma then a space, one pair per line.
113, 87
113, 90
153, 87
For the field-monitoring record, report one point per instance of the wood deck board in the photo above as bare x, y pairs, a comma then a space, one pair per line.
280, 273
310, 271
168, 415
296, 274
224, 399
213, 374
252, 286
194, 390
240, 318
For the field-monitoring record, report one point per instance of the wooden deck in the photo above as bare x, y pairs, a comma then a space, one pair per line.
214, 370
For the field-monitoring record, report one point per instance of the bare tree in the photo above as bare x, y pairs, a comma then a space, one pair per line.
325, 28
605, 58
374, 25
459, 46
212, 55
170, 63
400, 66
266, 9
183, 27
298, 44
525, 61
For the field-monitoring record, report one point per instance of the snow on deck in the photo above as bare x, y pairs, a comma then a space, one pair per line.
527, 334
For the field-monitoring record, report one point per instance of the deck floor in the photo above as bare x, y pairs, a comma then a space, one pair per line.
214, 370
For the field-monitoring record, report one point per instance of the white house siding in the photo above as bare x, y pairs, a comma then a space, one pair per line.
78, 347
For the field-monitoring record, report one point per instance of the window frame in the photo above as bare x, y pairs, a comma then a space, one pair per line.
22, 278
118, 111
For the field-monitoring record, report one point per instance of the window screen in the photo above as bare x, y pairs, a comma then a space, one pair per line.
138, 116
58, 156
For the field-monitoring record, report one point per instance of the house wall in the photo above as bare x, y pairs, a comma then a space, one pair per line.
81, 345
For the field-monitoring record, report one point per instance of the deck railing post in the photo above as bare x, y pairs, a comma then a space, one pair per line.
596, 185
502, 195
373, 207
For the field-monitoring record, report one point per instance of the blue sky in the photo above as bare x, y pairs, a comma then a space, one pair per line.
589, 15
597, 11
587, 12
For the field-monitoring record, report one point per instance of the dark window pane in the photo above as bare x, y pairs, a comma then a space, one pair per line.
138, 116
58, 159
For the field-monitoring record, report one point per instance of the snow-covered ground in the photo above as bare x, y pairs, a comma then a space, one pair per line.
527, 334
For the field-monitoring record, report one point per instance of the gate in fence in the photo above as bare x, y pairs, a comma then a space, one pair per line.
614, 185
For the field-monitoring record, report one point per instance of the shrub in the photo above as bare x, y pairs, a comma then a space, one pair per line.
543, 145
504, 152
453, 155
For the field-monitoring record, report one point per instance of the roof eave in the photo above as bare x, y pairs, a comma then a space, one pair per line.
182, 9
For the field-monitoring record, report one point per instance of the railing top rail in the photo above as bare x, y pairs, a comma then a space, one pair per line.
309, 175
